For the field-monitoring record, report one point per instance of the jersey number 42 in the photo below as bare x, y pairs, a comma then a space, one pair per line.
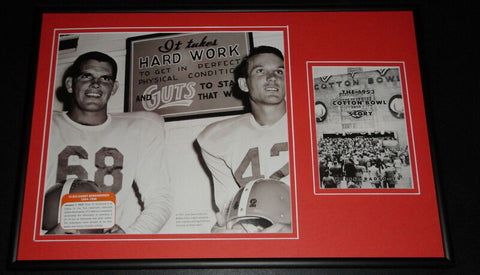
252, 160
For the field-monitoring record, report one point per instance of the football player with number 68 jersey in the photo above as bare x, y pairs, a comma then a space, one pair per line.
120, 153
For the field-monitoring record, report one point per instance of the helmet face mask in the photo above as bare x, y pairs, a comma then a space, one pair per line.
249, 224
258, 205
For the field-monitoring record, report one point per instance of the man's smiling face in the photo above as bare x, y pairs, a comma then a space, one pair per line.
93, 87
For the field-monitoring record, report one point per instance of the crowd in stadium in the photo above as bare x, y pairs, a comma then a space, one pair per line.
361, 162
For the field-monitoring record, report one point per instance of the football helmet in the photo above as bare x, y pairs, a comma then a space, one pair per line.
259, 204
52, 203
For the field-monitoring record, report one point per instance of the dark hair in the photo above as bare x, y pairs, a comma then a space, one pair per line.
74, 70
242, 69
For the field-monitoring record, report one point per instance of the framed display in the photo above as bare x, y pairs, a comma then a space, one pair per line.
280, 138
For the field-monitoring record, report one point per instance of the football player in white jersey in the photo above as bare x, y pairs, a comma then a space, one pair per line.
251, 146
121, 153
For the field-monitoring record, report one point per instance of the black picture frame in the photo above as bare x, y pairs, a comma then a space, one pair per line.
227, 263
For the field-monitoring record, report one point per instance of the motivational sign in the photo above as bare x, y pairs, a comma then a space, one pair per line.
185, 74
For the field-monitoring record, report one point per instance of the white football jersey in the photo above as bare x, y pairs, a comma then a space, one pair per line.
238, 150
127, 148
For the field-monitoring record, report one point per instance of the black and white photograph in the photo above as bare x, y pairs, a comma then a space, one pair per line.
362, 138
183, 128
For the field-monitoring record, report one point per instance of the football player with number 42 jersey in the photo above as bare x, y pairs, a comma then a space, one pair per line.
251, 146
120, 153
